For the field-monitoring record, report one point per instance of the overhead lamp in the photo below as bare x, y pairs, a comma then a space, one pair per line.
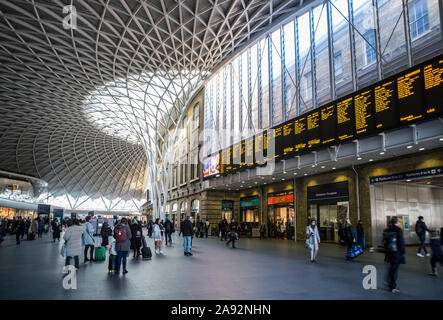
421, 149
305, 174
255, 182
408, 147
382, 153
408, 180
323, 167
370, 160
313, 165
283, 179
441, 139
273, 178
284, 172
295, 173
333, 168
359, 158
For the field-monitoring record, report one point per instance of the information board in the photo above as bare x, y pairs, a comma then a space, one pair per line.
328, 120
313, 129
259, 149
433, 78
364, 114
345, 119
410, 96
288, 138
385, 106
299, 141
249, 152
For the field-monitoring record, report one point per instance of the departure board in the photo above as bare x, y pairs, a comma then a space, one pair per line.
288, 138
299, 141
236, 156
394, 102
313, 129
385, 106
249, 152
410, 96
328, 120
433, 77
259, 149
364, 115
345, 119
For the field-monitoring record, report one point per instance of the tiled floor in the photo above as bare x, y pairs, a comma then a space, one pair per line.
267, 269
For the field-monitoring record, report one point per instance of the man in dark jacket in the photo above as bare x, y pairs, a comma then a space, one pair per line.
231, 233
396, 256
420, 229
19, 229
437, 255
105, 233
187, 234
169, 226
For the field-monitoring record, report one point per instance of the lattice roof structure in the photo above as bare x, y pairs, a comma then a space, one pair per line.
84, 97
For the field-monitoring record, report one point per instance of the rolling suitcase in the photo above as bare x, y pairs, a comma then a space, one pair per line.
146, 251
100, 253
354, 252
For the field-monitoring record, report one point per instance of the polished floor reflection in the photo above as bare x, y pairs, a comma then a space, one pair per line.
270, 269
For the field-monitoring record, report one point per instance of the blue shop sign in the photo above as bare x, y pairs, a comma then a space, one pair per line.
249, 203
408, 175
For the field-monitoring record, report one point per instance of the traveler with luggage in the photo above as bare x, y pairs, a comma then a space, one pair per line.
122, 234
169, 227
136, 240
313, 239
73, 241
158, 236
232, 234
187, 236
420, 230
150, 228
394, 245
88, 239
105, 233
360, 234
437, 255
112, 264
348, 236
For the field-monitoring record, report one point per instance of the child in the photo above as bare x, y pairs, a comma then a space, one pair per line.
112, 258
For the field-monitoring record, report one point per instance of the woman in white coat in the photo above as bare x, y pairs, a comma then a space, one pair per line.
314, 239
73, 238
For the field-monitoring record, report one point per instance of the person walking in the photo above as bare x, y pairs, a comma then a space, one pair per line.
360, 234
88, 239
181, 228
40, 227
437, 255
232, 234
158, 236
19, 229
169, 226
55, 225
262, 231
187, 235
73, 241
27, 225
207, 225
348, 235
136, 239
34, 229
313, 239
150, 228
105, 232
420, 230
395, 246
122, 234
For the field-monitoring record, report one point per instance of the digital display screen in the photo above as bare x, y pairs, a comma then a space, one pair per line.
385, 106
313, 129
433, 77
328, 120
364, 115
410, 96
211, 166
345, 119
399, 100
299, 141
259, 149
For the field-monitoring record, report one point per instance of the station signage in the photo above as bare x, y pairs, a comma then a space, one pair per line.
328, 191
249, 203
435, 171
408, 97
227, 205
286, 198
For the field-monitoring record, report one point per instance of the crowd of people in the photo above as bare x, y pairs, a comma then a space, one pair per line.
80, 235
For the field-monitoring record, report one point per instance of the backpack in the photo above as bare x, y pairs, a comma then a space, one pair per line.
390, 241
138, 234
418, 228
120, 234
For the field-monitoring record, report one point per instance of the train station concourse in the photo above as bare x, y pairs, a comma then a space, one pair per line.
221, 150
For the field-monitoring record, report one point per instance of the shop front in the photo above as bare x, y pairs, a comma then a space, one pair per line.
195, 210
227, 209
249, 216
174, 213
327, 204
183, 210
281, 215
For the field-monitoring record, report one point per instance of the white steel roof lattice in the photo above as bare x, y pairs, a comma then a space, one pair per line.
80, 108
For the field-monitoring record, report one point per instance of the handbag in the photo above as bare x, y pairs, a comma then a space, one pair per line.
308, 243
63, 250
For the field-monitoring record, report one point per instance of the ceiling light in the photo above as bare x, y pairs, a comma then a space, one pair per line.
408, 147
421, 149
359, 158
305, 174
273, 178
370, 160
283, 179
382, 153
322, 167
409, 180
333, 168
441, 139
264, 183
255, 182
313, 165
284, 172
295, 173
